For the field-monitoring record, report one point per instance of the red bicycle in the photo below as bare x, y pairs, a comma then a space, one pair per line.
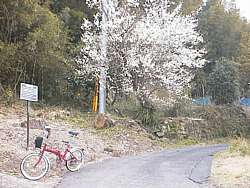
34, 166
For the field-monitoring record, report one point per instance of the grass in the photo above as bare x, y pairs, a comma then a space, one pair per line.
164, 143
118, 130
237, 147
231, 167
187, 142
240, 146
80, 120
71, 117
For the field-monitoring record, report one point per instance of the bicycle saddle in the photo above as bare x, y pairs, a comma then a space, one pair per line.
73, 133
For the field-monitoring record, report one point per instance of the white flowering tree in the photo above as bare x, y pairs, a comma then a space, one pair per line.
148, 48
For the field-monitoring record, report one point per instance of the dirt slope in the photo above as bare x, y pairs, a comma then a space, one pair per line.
98, 144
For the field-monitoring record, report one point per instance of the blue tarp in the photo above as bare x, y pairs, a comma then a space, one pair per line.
245, 101
202, 101
207, 101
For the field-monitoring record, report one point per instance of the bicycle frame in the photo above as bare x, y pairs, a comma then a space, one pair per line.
61, 155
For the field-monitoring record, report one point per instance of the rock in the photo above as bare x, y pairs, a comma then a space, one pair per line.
59, 114
103, 121
40, 114
152, 137
108, 149
92, 157
116, 153
34, 124
160, 134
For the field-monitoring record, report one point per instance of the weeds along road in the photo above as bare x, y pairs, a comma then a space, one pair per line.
179, 168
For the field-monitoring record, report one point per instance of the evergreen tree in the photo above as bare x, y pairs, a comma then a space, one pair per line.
220, 29
199, 85
244, 60
33, 45
223, 82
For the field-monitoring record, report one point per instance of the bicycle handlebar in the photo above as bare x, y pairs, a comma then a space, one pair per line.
66, 142
73, 133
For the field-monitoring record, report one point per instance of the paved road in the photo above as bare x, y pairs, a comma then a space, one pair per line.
181, 168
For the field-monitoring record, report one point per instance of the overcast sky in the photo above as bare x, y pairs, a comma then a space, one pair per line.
244, 6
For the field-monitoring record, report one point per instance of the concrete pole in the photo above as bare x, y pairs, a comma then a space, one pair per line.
103, 46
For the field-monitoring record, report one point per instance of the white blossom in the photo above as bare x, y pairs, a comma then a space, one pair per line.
150, 48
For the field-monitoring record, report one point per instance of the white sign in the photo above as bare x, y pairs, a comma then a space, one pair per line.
29, 92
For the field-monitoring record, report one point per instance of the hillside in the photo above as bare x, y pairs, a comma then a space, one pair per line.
98, 145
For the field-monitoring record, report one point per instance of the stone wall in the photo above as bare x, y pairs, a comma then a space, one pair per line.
200, 129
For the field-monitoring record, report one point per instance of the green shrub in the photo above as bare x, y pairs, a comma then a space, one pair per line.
127, 107
223, 82
147, 114
182, 107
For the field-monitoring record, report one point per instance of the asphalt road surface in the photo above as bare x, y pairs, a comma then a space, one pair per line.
177, 168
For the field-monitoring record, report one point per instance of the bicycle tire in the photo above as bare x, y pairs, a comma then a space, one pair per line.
34, 155
80, 159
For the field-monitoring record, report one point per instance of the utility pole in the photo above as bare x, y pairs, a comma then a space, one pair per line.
103, 46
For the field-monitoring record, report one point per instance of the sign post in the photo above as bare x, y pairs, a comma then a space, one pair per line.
28, 125
29, 93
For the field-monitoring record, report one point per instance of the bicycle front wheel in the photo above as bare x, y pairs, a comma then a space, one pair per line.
75, 160
34, 166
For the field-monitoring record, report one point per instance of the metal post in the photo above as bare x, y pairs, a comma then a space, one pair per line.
103, 45
28, 125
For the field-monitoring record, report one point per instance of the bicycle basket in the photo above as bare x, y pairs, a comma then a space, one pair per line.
38, 142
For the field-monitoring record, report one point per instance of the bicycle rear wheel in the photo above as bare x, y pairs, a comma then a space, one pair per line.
32, 168
75, 160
